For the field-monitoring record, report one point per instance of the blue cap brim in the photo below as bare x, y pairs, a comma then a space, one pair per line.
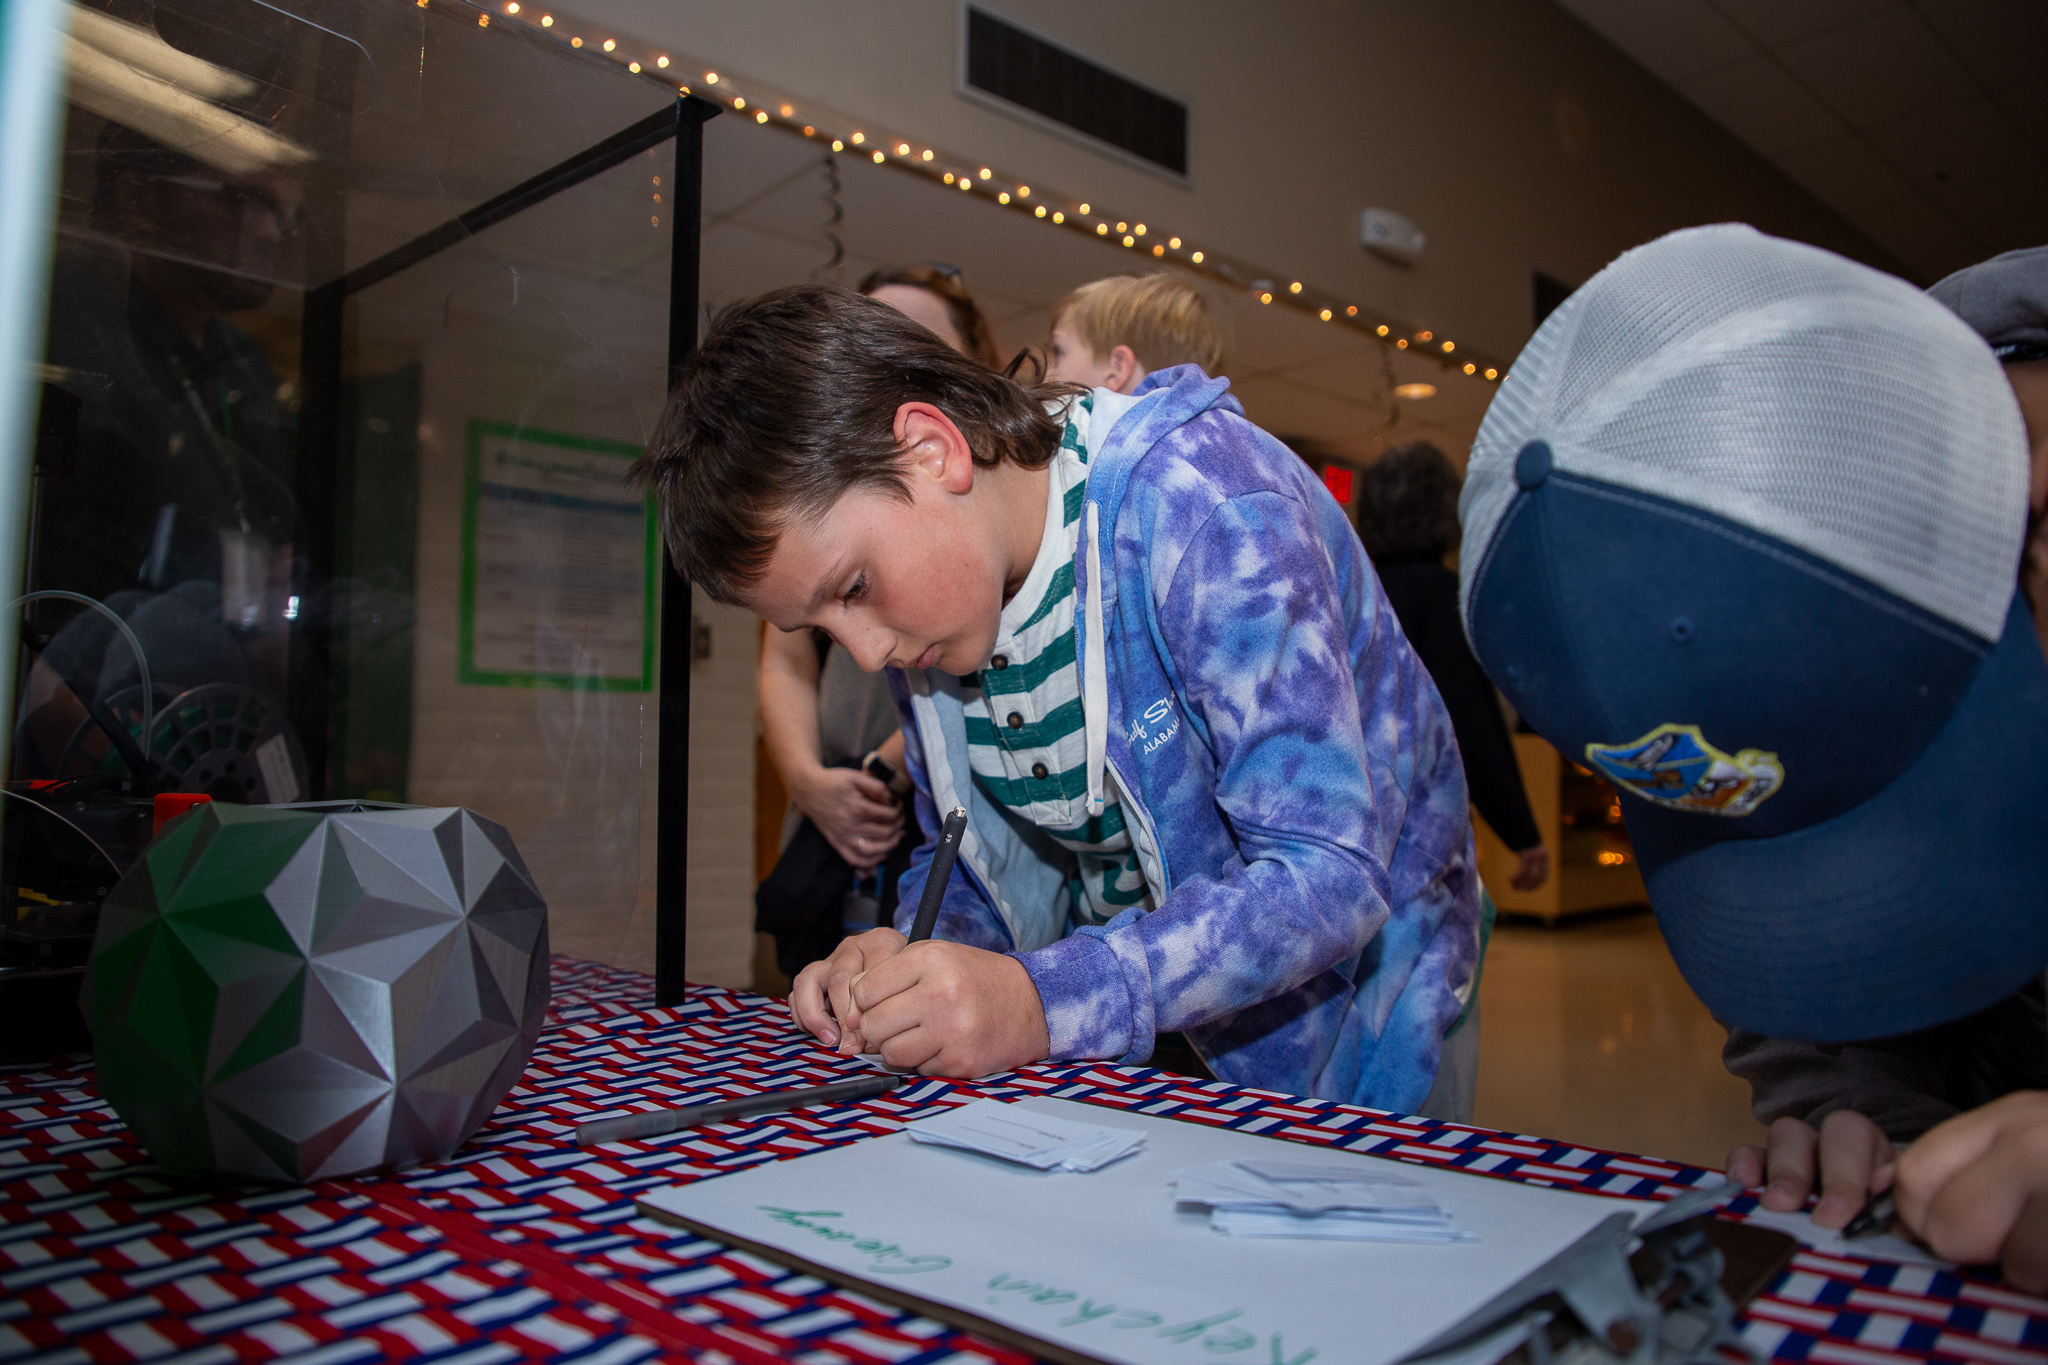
1926, 903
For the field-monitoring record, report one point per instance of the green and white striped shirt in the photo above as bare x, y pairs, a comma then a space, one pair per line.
1025, 740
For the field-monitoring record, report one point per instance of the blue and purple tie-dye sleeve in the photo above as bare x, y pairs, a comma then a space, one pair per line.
1255, 622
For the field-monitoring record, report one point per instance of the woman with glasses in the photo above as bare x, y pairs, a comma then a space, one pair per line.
935, 295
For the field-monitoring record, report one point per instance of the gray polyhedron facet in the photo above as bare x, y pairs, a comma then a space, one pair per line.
289, 996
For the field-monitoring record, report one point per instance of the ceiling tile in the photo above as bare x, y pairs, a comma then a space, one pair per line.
2003, 43
1364, 375
1879, 69
1362, 429
1759, 103
1773, 23
1924, 237
2003, 215
1964, 143
1846, 175
1878, 98
1676, 39
2027, 107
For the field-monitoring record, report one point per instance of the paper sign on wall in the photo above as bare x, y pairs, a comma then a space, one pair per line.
558, 563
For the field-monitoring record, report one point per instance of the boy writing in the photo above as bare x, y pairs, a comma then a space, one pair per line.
1111, 333
1210, 788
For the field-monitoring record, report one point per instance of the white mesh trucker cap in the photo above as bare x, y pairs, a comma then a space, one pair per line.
1742, 533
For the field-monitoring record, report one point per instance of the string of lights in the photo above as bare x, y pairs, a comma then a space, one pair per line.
1057, 211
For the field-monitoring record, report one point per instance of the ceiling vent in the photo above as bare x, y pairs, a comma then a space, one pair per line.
1021, 73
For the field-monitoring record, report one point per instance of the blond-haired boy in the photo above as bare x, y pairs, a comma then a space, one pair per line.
1111, 333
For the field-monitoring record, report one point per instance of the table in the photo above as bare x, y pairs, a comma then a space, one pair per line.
525, 1246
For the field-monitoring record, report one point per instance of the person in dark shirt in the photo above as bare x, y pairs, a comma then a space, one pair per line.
1408, 519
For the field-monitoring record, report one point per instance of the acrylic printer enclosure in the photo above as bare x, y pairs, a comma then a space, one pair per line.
360, 311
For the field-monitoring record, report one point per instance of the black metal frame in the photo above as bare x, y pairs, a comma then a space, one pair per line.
672, 771
323, 484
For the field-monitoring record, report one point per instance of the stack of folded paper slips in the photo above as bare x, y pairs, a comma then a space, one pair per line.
1029, 1138
1309, 1199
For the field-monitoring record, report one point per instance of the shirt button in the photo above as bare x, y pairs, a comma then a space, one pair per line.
1016, 722
999, 661
1038, 770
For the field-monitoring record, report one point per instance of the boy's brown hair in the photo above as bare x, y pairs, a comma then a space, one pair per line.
1162, 318
790, 403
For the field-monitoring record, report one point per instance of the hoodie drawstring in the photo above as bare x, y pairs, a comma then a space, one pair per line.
1094, 670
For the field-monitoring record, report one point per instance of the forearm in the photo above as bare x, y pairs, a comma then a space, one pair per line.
1217, 946
787, 695
1491, 769
1789, 1078
1497, 790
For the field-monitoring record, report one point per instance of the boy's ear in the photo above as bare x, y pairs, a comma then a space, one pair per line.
934, 447
1124, 370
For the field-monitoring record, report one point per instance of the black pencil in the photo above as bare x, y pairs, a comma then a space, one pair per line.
940, 874
1875, 1218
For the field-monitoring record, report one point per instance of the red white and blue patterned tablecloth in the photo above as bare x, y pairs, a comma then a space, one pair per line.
525, 1246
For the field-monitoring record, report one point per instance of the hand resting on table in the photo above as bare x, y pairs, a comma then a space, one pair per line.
940, 1008
1975, 1188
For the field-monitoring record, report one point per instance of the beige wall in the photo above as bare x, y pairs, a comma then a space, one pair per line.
1511, 133
720, 943
1514, 136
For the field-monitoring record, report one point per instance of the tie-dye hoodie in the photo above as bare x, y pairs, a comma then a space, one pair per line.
1288, 774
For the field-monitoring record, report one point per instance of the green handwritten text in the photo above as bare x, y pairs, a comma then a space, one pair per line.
887, 1258
1217, 1333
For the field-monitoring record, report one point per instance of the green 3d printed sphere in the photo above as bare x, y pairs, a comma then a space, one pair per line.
287, 995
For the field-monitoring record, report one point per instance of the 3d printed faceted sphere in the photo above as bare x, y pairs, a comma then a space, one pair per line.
282, 995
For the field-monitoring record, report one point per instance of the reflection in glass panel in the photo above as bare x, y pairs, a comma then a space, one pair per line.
328, 491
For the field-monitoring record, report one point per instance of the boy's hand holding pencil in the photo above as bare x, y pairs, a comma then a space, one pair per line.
946, 1009
822, 993
941, 1008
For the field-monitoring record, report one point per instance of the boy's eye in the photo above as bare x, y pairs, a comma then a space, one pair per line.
857, 591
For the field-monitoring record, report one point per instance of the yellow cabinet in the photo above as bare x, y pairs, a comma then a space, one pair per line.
1578, 814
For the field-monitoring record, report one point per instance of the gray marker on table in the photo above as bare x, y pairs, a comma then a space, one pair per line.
656, 1122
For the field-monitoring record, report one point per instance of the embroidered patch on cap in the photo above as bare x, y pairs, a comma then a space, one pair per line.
1674, 766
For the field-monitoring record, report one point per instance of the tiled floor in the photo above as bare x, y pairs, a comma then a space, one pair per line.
1589, 1034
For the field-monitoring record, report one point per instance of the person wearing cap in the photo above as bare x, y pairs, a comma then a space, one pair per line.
1742, 528
1839, 1113
2006, 300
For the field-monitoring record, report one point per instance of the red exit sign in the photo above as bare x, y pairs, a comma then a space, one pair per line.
1337, 478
